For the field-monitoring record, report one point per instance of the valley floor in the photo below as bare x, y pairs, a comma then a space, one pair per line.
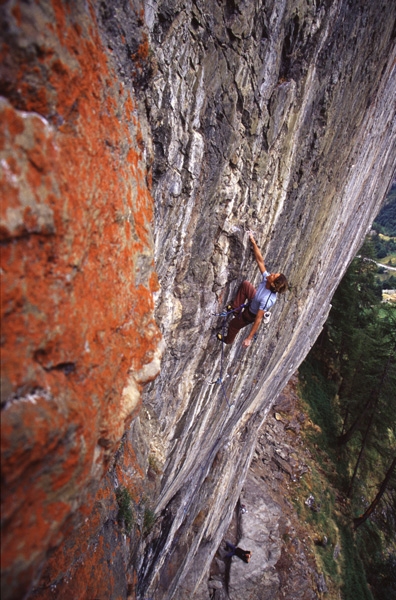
282, 517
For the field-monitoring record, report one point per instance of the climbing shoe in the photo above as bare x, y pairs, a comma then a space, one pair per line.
229, 307
220, 337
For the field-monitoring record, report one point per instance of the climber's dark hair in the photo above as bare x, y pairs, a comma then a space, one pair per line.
280, 285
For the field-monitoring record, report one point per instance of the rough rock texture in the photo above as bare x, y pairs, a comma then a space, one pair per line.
277, 116
78, 338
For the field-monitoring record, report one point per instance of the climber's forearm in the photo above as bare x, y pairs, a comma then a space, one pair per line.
257, 255
259, 317
256, 325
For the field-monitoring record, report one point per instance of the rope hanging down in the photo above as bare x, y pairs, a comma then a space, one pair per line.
225, 314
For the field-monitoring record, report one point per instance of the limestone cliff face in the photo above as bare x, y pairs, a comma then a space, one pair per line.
272, 116
277, 117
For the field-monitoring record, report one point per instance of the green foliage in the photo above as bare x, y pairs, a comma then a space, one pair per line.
383, 246
355, 582
382, 576
353, 303
347, 571
148, 520
386, 218
359, 340
380, 564
125, 512
389, 283
319, 392
349, 381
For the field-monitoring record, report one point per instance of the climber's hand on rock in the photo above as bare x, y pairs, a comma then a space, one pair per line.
246, 343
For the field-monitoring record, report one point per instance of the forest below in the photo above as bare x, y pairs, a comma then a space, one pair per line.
384, 241
348, 383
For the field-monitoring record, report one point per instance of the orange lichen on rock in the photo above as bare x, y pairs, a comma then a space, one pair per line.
75, 324
143, 51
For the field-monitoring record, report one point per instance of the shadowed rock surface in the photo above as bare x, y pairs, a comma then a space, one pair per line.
165, 130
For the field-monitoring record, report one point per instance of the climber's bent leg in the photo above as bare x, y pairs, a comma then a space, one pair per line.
237, 323
246, 291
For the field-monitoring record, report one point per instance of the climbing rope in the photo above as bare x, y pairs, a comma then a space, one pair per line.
225, 314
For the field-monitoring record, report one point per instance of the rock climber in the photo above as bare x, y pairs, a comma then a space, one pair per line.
260, 300
244, 555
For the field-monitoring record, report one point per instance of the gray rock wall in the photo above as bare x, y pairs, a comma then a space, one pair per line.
277, 117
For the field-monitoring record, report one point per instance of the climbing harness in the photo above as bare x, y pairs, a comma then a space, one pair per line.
228, 311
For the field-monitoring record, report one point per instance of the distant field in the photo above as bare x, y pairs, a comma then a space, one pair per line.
389, 260
386, 238
389, 296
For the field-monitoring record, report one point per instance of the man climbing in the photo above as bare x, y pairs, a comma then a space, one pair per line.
260, 300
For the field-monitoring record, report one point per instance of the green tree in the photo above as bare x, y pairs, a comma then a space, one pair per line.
386, 218
358, 521
357, 350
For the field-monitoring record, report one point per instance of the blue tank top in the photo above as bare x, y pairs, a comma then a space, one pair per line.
264, 298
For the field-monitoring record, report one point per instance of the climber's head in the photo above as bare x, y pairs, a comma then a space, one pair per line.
277, 282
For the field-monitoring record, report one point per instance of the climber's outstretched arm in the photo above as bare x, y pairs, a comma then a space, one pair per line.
259, 317
257, 254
